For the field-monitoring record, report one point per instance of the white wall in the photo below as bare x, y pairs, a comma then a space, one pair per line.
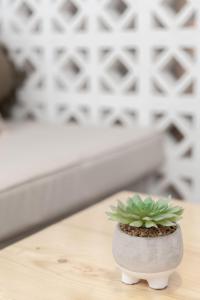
111, 62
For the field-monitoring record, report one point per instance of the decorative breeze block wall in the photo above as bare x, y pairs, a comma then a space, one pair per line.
114, 62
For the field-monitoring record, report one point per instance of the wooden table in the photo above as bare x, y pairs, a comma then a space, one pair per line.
72, 260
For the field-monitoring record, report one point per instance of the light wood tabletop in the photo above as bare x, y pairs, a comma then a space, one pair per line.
72, 260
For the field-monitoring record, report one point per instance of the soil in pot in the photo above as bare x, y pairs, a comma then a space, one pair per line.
147, 232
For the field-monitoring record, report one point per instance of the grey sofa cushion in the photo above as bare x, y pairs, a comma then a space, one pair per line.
51, 170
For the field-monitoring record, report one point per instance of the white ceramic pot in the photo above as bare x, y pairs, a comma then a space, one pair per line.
149, 258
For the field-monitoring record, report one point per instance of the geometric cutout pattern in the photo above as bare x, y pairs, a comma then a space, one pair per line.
120, 15
114, 63
118, 70
70, 69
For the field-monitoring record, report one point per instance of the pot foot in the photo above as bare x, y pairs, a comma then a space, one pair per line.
158, 283
127, 279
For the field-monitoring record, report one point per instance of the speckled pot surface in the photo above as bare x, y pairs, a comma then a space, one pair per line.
147, 254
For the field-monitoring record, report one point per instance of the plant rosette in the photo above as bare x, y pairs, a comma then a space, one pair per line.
147, 242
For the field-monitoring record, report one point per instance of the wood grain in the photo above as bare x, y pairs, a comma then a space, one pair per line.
72, 260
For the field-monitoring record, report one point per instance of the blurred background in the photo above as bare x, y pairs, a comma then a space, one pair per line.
112, 63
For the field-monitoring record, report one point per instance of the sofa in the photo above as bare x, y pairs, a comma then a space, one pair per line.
49, 171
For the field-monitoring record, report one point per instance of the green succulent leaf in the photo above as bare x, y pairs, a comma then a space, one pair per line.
166, 223
136, 223
177, 210
161, 217
146, 218
149, 224
137, 202
146, 212
148, 203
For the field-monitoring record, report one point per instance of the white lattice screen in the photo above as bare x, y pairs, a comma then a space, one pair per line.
114, 62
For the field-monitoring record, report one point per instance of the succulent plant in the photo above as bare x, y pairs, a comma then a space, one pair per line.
145, 213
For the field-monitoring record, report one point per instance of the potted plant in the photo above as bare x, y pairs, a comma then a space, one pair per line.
147, 242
